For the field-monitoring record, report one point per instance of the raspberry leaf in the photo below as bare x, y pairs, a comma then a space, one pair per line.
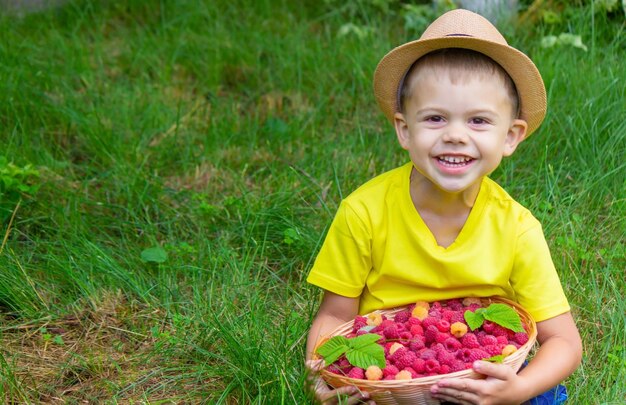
366, 354
333, 348
363, 340
496, 359
474, 319
504, 316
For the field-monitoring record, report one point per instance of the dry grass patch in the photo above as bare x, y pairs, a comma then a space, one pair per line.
97, 354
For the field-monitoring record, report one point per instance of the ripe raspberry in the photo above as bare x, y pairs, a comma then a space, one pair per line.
436, 305
402, 317
438, 348
454, 304
486, 340
419, 365
458, 329
432, 366
447, 314
333, 368
403, 375
427, 354
390, 371
393, 357
443, 325
344, 364
359, 322
374, 373
395, 347
417, 343
452, 345
413, 321
488, 326
435, 313
405, 336
442, 337
391, 332
420, 312
416, 330
471, 355
500, 331
493, 350
508, 350
405, 360
386, 322
444, 369
458, 317
457, 365
521, 338
431, 333
470, 341
374, 319
446, 358
429, 321
502, 340
357, 373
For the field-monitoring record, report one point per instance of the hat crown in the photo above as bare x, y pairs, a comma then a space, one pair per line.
461, 22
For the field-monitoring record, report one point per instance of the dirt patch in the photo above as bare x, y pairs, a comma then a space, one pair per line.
104, 352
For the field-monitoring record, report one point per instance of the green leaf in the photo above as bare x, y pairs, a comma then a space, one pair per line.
495, 359
154, 254
474, 319
505, 316
332, 349
363, 340
366, 355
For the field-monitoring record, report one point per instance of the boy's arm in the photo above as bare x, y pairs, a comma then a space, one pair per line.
334, 311
558, 356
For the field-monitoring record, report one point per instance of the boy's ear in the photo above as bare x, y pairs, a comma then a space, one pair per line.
516, 134
402, 129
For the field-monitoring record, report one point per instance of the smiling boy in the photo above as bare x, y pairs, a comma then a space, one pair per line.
438, 228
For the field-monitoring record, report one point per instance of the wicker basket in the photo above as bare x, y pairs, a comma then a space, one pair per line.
417, 390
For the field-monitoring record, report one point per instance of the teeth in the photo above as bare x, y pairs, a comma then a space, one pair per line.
455, 159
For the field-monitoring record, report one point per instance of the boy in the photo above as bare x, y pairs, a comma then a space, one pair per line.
438, 228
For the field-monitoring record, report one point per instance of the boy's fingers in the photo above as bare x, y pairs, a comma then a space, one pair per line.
499, 371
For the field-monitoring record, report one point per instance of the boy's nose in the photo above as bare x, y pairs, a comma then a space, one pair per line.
455, 133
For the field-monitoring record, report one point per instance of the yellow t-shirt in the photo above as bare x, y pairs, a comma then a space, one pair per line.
378, 248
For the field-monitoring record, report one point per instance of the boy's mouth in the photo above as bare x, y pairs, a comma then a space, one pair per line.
454, 161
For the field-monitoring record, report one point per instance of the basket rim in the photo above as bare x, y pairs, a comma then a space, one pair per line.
384, 385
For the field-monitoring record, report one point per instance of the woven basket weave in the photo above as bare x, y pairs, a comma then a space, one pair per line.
417, 391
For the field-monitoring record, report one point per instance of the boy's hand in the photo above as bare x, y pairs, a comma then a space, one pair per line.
326, 395
502, 386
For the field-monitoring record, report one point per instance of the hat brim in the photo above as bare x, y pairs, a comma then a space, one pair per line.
528, 82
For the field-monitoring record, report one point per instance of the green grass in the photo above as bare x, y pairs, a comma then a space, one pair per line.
227, 133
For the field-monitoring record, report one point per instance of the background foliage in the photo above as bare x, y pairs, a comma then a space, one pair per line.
168, 170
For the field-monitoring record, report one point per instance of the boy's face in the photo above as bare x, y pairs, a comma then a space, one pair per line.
457, 131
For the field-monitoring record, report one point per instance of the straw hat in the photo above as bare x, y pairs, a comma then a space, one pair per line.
463, 29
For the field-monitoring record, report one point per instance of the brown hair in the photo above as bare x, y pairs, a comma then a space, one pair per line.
457, 60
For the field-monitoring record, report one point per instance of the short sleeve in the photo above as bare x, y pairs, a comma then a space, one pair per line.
344, 261
534, 278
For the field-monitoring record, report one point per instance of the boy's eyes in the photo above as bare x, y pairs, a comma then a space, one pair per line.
472, 121
478, 121
435, 118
